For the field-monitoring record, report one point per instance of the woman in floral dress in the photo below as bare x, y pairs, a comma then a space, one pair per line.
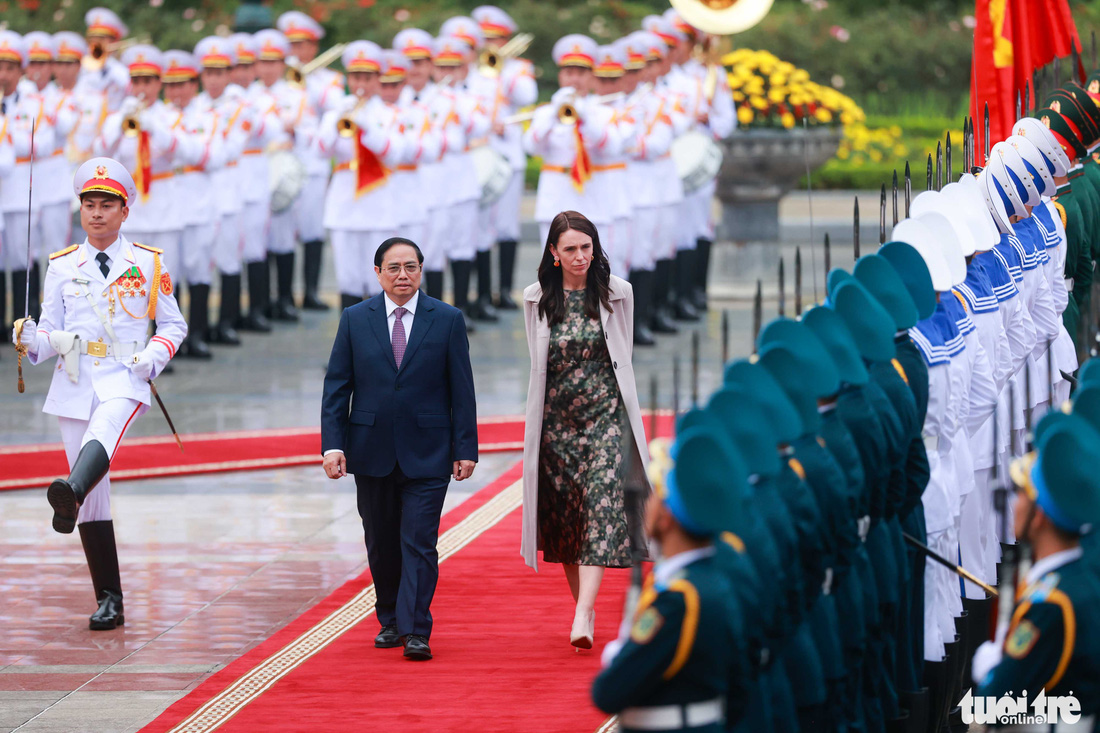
578, 454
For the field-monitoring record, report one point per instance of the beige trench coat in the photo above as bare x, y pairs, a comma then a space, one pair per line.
618, 329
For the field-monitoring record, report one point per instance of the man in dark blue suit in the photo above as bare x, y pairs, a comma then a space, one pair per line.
398, 413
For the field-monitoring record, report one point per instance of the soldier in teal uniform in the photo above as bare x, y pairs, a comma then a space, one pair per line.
1053, 641
1086, 404
680, 662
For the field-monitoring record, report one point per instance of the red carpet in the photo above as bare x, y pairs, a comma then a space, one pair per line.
31, 466
502, 658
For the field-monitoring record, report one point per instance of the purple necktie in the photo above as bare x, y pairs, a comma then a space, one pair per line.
398, 337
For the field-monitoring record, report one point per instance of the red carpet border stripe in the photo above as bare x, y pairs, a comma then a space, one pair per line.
230, 701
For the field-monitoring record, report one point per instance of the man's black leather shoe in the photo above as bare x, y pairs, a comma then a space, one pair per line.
417, 649
387, 638
109, 615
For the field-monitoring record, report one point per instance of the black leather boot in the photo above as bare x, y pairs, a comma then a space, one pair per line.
702, 272
916, 702
258, 299
952, 662
66, 495
433, 284
684, 308
198, 325
98, 539
313, 252
507, 272
460, 271
660, 317
224, 333
642, 283
347, 301
284, 309
483, 309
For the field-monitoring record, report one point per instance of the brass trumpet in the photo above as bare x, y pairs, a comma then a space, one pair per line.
491, 60
131, 123
567, 112
346, 125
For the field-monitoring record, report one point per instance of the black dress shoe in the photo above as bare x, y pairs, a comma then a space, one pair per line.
506, 302
417, 649
312, 303
387, 638
194, 348
109, 615
643, 336
225, 335
283, 310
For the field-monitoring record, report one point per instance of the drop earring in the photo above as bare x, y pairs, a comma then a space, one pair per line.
556, 263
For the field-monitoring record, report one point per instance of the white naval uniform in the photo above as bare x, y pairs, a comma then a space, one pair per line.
52, 171
1065, 354
24, 109
195, 184
294, 112
265, 129
613, 191
226, 181
155, 220
652, 138
106, 396
92, 108
358, 224
670, 191
557, 144
7, 165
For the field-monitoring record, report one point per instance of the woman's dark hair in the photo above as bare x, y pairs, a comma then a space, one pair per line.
598, 288
380, 253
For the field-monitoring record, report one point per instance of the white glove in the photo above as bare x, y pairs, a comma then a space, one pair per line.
563, 95
29, 336
130, 106
143, 365
347, 104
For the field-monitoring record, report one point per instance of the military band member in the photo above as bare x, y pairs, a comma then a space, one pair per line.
100, 297
612, 182
417, 47
324, 88
105, 73
515, 89
200, 218
215, 57
363, 137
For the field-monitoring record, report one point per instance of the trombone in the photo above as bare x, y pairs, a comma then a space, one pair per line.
491, 60
567, 111
99, 51
296, 75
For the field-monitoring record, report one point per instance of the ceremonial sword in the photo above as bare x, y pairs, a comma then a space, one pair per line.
957, 569
156, 396
20, 349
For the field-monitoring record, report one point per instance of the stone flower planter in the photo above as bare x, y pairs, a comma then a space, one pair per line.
759, 167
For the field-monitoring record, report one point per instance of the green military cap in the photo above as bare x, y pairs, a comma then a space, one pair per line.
1089, 373
756, 380
835, 277
1086, 103
746, 423
1065, 103
791, 372
871, 327
1093, 82
820, 377
831, 330
882, 281
910, 267
705, 488
1065, 487
1065, 134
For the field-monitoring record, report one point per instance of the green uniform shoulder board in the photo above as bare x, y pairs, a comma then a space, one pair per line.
1022, 640
646, 626
67, 250
146, 247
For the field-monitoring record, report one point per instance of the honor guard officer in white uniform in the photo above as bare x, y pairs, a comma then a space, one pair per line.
565, 133
196, 182
462, 120
215, 57
515, 89
609, 164
69, 49
363, 137
422, 144
57, 118
100, 298
300, 126
486, 93
417, 47
103, 72
264, 128
144, 135
325, 89
20, 111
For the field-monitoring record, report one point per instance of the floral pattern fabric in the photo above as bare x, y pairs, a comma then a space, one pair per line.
581, 512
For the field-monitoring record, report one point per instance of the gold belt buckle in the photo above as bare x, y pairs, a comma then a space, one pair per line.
97, 348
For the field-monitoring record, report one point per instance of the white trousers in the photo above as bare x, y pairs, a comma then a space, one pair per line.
282, 232
108, 424
436, 228
506, 217
646, 234
56, 225
310, 208
353, 260
615, 240
197, 253
227, 244
167, 241
255, 218
486, 232
460, 239
14, 247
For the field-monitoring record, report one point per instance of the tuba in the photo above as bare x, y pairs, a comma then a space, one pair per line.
722, 17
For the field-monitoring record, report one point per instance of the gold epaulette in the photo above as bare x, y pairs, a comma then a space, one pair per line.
146, 247
1061, 213
67, 250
